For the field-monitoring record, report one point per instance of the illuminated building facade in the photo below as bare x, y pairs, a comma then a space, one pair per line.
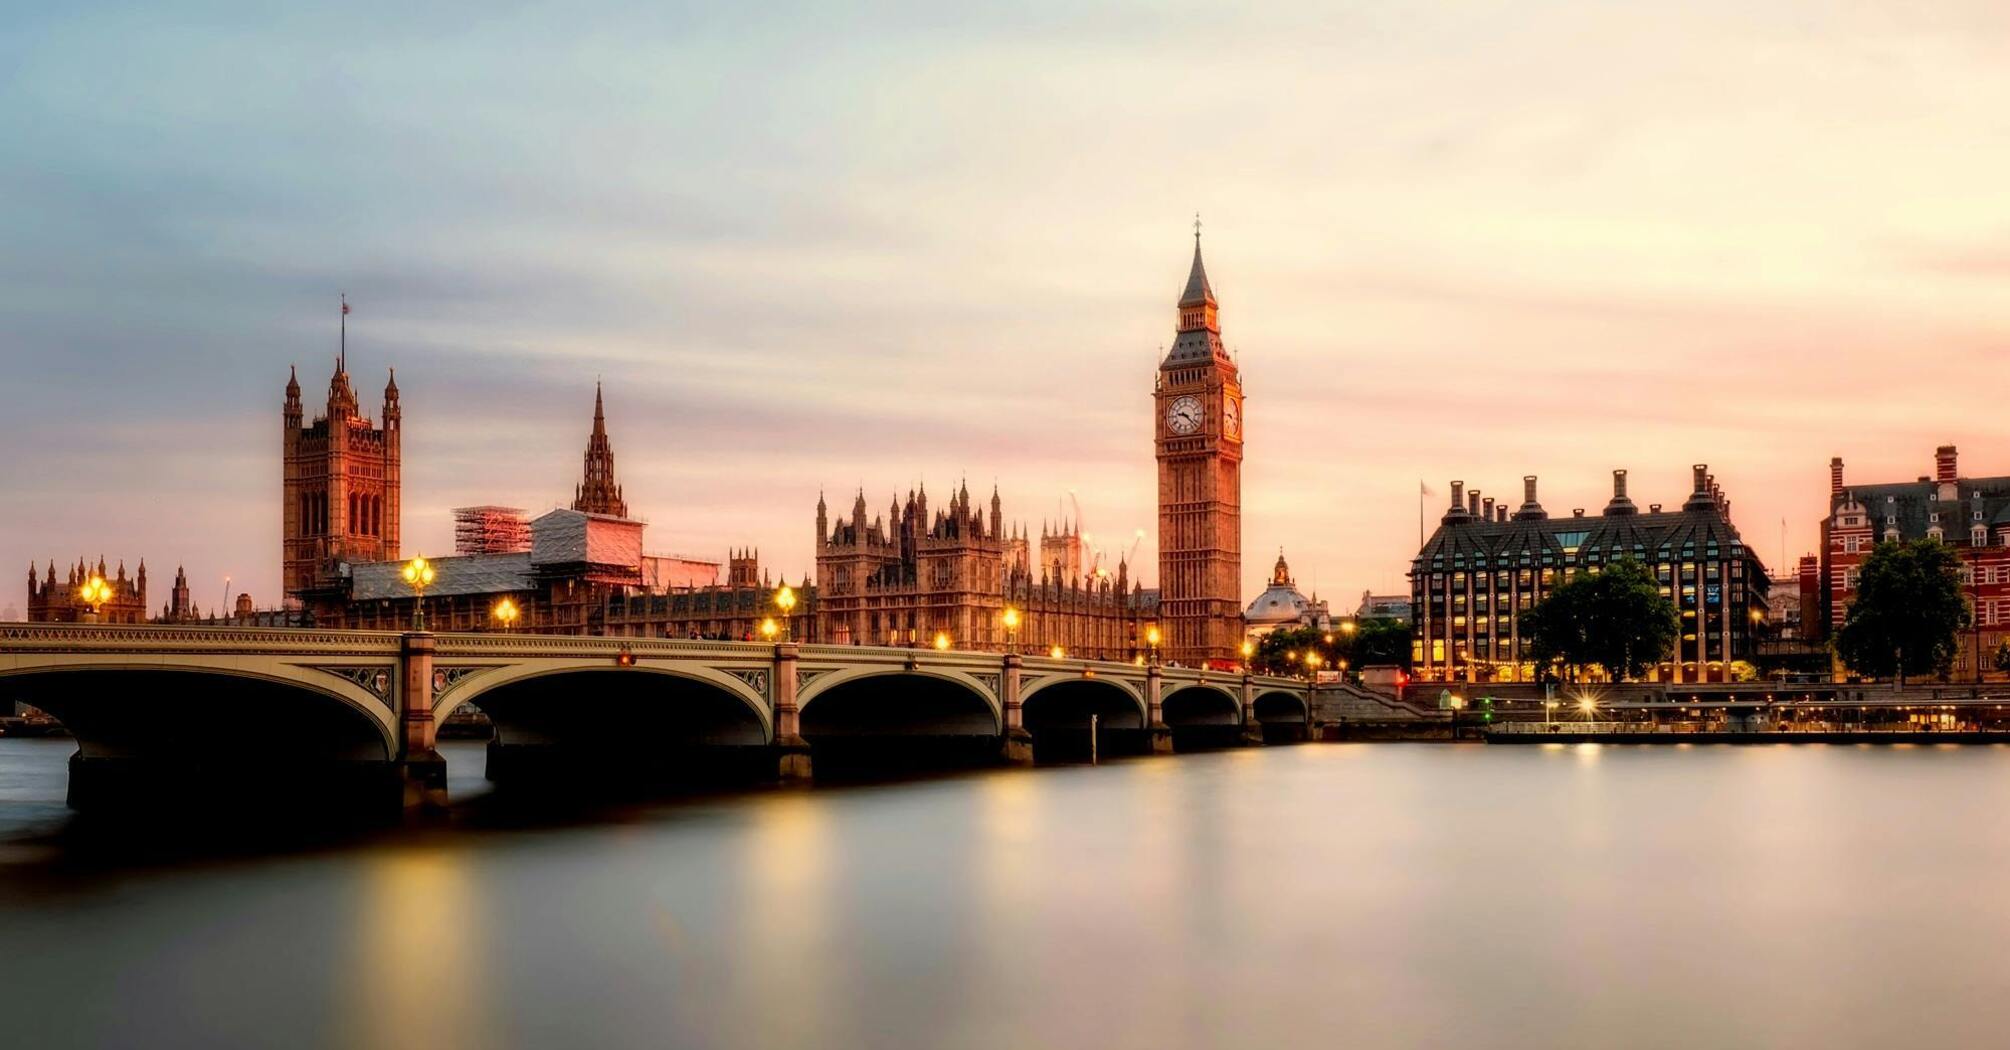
907, 577
1484, 567
58, 600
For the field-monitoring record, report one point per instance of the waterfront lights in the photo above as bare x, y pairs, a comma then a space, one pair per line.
506, 613
95, 593
418, 574
1348, 627
942, 640
768, 628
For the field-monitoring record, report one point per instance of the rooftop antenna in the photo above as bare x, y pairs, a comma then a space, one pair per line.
342, 348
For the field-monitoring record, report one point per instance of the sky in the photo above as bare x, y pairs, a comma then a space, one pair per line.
813, 247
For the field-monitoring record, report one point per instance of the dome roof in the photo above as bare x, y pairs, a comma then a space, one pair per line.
1280, 603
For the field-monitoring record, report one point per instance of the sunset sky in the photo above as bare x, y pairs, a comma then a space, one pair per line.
827, 245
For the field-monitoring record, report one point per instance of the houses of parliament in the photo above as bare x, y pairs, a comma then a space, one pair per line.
920, 573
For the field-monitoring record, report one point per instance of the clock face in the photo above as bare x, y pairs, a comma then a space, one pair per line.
1231, 417
1184, 414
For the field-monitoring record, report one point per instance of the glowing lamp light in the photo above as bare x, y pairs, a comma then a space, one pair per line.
768, 628
1152, 635
942, 640
1058, 653
1347, 628
1248, 650
785, 599
95, 592
1011, 618
506, 613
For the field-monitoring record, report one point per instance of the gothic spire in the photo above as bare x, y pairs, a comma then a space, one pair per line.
1198, 292
597, 492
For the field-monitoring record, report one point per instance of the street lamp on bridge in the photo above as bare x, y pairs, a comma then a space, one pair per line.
506, 613
95, 593
785, 600
418, 575
942, 641
1152, 637
1011, 619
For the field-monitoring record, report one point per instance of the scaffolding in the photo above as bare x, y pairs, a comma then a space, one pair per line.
491, 530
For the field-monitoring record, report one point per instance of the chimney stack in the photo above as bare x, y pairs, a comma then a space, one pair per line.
1943, 464
1620, 503
1487, 508
1458, 500
1530, 509
1473, 503
1835, 476
1501, 513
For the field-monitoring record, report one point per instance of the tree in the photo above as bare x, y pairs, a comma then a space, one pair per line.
1379, 640
1615, 619
1907, 611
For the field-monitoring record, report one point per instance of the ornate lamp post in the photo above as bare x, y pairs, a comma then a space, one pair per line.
95, 593
785, 600
506, 613
1011, 619
768, 629
1248, 655
418, 575
1152, 637
942, 641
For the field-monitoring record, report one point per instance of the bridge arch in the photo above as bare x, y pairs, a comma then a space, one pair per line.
1200, 704
117, 706
909, 696
1069, 699
513, 678
1280, 706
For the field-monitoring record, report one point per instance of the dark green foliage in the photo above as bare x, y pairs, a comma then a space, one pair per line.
1373, 641
1906, 613
1615, 619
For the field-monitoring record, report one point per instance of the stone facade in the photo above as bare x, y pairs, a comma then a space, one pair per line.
53, 600
1969, 514
341, 483
909, 577
1198, 403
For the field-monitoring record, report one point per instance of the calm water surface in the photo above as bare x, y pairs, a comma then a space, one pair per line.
1327, 895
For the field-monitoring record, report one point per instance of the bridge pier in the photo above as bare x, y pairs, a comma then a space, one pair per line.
422, 769
1016, 743
1158, 735
792, 752
1252, 730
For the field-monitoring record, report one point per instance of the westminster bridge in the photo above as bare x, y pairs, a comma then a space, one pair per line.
267, 710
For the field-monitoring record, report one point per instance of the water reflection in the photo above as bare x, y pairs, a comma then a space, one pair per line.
418, 960
1336, 895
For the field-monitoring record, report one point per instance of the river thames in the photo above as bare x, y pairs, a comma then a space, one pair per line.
1322, 895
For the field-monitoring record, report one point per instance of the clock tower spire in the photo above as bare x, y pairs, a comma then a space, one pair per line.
1198, 402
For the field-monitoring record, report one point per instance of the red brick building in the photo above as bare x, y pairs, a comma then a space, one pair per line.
1972, 515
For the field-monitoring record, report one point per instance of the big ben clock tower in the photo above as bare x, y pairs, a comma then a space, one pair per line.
1199, 409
